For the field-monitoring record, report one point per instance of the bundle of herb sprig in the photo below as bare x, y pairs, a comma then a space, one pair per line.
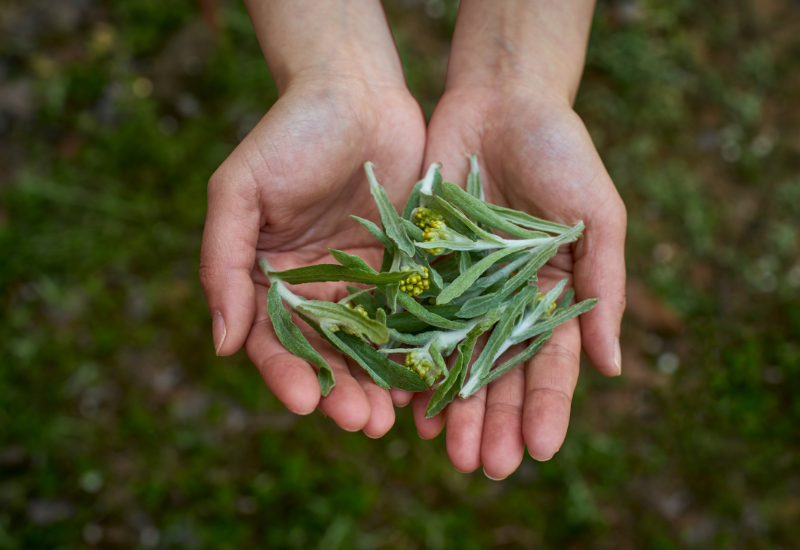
446, 278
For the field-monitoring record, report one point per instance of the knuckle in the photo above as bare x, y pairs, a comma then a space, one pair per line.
553, 391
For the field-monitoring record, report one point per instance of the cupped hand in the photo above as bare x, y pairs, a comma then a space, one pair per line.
536, 156
286, 193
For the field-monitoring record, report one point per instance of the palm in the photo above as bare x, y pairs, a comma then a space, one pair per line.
297, 178
536, 157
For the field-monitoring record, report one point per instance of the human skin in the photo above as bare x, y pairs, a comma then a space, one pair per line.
287, 191
513, 73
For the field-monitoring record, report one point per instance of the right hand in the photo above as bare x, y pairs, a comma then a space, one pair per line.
286, 193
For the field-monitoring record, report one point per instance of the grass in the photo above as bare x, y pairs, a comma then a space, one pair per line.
120, 428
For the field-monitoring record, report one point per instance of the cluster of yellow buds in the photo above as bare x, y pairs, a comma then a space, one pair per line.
433, 233
416, 283
424, 216
348, 330
551, 308
418, 364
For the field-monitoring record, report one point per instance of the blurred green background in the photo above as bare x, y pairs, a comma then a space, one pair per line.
119, 428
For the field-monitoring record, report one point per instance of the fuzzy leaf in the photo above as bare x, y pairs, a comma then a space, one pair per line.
438, 360
413, 201
294, 341
349, 260
361, 298
557, 318
392, 223
337, 340
481, 304
412, 339
474, 179
394, 374
423, 314
501, 333
526, 220
332, 272
436, 279
456, 213
373, 330
452, 384
480, 211
413, 231
502, 273
566, 299
521, 357
465, 280
464, 262
375, 231
407, 322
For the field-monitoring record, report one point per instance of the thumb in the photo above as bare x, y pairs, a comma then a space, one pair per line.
600, 273
228, 256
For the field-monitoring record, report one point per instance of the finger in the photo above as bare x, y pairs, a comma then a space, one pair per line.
502, 446
600, 273
291, 379
294, 382
400, 398
427, 428
228, 255
381, 418
465, 430
550, 379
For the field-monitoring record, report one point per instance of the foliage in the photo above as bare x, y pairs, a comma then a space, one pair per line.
119, 427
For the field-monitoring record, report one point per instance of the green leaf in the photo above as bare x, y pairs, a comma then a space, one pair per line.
413, 339
526, 220
431, 318
375, 231
464, 261
480, 211
448, 268
501, 333
339, 313
348, 260
408, 322
413, 201
481, 304
436, 280
456, 213
438, 360
465, 280
361, 298
522, 357
566, 299
454, 380
474, 179
294, 341
337, 340
557, 318
331, 272
394, 374
392, 223
413, 231
502, 273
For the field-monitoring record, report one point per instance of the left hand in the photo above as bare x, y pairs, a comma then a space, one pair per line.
535, 155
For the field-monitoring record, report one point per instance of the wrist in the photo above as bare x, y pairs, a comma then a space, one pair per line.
310, 40
536, 46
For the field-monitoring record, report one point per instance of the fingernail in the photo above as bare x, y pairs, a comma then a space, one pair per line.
617, 357
543, 459
218, 331
493, 478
